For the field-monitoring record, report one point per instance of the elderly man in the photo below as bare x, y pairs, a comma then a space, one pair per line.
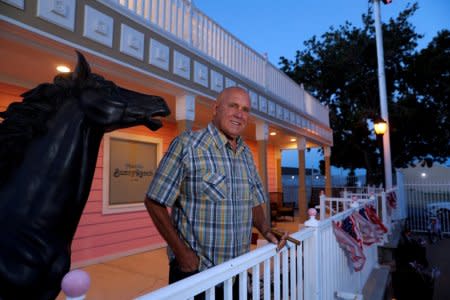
209, 179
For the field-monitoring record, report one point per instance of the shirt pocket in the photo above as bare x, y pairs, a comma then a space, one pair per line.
214, 187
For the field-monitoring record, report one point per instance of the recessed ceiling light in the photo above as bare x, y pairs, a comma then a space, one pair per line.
293, 140
62, 69
273, 133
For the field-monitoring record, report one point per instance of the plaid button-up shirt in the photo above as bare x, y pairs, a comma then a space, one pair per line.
212, 190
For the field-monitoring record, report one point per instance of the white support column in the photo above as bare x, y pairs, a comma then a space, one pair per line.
262, 136
277, 156
185, 112
327, 158
302, 201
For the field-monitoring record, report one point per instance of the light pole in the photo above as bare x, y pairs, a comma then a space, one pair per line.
383, 96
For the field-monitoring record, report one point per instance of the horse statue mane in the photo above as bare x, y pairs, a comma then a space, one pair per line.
50, 143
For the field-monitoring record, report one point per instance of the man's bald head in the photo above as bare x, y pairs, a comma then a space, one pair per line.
231, 111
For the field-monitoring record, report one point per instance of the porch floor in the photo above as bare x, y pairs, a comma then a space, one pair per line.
134, 275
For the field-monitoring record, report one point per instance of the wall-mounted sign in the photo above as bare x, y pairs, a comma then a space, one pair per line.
129, 163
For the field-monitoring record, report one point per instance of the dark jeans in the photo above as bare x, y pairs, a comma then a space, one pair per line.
175, 274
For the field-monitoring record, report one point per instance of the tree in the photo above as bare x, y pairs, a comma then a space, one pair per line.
425, 92
340, 69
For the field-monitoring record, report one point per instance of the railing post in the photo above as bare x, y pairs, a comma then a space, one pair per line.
313, 266
345, 196
312, 221
322, 205
354, 202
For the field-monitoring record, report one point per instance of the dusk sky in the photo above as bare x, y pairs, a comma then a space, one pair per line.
279, 28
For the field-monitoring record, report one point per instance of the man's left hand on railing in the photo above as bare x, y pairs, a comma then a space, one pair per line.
259, 221
277, 237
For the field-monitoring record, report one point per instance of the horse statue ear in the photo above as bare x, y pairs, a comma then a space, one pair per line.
82, 70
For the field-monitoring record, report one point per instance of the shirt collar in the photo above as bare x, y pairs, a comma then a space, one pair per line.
221, 140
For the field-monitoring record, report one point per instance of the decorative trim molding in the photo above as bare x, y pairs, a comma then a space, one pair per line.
285, 114
229, 82
298, 120
59, 12
279, 111
272, 108
216, 81
181, 65
262, 104
292, 117
98, 26
131, 42
253, 99
159, 55
200, 74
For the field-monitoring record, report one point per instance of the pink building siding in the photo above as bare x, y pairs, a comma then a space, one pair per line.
101, 236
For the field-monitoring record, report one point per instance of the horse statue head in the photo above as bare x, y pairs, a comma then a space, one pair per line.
49, 147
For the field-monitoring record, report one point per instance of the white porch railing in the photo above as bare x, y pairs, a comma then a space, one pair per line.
182, 21
317, 269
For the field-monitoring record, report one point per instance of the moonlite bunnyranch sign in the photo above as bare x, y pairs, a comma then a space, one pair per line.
129, 165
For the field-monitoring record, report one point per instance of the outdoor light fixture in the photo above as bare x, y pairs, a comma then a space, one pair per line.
62, 69
293, 140
273, 133
380, 126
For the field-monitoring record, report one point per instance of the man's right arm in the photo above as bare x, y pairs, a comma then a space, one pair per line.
187, 260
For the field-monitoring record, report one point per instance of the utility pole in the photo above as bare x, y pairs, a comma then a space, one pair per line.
383, 95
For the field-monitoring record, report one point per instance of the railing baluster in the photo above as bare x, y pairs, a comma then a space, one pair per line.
243, 282
267, 279
210, 294
293, 271
255, 282
276, 276
285, 276
228, 289
300, 289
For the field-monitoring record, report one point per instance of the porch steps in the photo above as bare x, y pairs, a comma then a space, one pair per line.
378, 285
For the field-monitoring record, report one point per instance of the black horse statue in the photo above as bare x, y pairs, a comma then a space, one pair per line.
49, 144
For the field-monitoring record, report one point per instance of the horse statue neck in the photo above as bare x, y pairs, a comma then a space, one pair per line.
69, 145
